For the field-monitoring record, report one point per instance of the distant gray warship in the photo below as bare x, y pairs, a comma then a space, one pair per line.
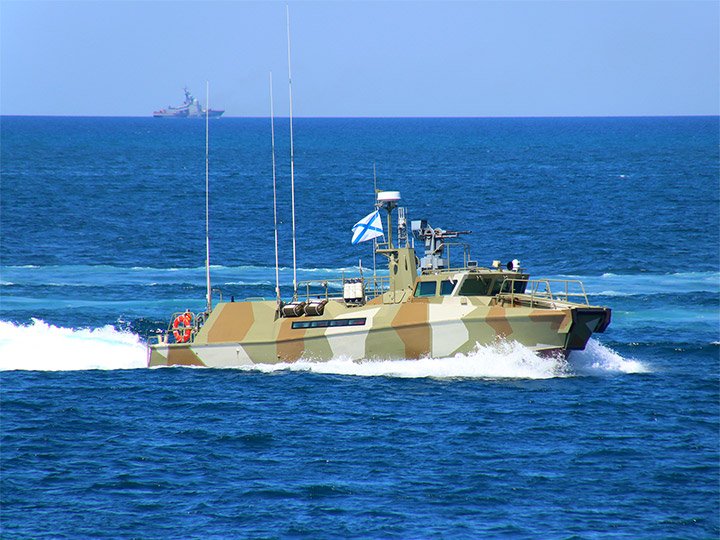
190, 109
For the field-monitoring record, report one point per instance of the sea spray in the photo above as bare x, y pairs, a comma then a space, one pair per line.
500, 360
597, 359
43, 347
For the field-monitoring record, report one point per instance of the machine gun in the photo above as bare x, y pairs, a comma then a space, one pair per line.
435, 240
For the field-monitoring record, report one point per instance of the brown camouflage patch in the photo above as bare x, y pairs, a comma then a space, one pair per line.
411, 324
557, 319
290, 342
497, 320
183, 356
233, 323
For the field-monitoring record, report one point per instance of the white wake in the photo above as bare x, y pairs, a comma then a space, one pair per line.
43, 347
501, 360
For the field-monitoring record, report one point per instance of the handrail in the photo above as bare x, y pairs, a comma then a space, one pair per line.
546, 295
218, 291
466, 251
196, 322
372, 288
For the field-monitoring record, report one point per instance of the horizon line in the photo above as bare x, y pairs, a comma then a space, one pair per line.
711, 115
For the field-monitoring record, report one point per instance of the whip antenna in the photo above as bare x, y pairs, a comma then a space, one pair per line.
272, 132
292, 163
207, 194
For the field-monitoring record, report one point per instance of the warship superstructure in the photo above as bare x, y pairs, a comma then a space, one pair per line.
191, 108
424, 307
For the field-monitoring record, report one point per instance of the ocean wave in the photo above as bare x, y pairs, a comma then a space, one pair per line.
611, 293
679, 283
607, 284
113, 276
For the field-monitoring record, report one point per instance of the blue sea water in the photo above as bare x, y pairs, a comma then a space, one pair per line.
103, 238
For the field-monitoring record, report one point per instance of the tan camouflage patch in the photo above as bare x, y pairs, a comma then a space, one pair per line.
497, 320
232, 323
290, 344
182, 356
411, 324
566, 323
557, 319
317, 346
158, 356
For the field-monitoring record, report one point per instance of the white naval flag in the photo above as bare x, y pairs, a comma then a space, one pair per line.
367, 228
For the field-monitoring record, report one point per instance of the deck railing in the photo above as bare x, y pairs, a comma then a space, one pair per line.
329, 289
183, 332
543, 291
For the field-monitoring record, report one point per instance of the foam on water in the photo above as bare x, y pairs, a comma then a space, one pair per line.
500, 360
43, 347
598, 359
610, 284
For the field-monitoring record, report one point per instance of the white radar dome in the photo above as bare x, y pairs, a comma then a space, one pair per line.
388, 196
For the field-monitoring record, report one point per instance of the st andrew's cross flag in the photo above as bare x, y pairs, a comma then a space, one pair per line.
367, 228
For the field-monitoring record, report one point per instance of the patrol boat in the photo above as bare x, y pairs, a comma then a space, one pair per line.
422, 308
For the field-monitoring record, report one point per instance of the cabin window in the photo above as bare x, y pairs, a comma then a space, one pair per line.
425, 288
327, 323
301, 324
473, 286
446, 287
496, 286
518, 287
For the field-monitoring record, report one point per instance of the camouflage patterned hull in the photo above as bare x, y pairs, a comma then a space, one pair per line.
245, 333
423, 308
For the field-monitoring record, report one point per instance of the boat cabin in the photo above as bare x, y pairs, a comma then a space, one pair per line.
475, 282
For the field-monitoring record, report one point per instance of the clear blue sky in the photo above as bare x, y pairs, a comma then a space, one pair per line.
350, 58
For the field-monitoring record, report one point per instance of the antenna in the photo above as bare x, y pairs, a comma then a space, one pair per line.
375, 242
207, 195
272, 131
292, 155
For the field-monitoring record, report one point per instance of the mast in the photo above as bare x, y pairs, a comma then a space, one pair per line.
207, 197
272, 132
292, 162
375, 242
